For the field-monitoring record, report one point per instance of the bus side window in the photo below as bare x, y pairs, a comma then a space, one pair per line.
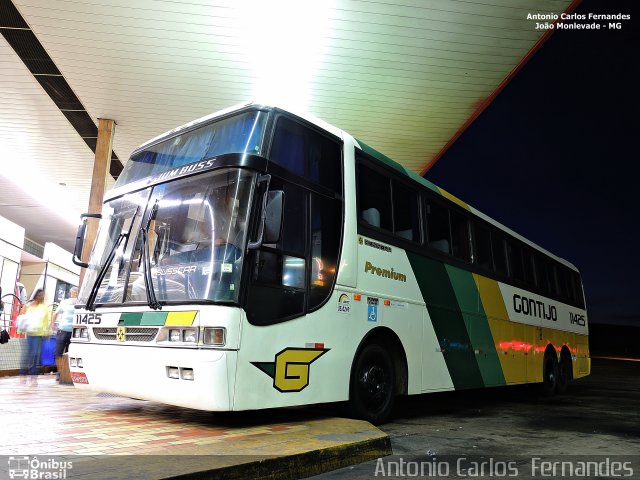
305, 152
482, 246
527, 262
438, 234
542, 273
515, 260
406, 214
460, 237
374, 198
498, 246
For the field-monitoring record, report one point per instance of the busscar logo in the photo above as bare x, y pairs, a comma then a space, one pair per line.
290, 370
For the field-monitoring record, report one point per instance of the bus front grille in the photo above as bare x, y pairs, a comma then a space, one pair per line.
132, 334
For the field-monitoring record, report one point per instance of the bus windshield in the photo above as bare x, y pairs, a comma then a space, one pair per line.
241, 133
189, 244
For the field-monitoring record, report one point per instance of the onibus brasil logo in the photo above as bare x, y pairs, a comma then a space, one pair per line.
290, 370
33, 467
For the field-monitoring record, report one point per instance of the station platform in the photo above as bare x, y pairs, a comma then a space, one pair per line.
110, 437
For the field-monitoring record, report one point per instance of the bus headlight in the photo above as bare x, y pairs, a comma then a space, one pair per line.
175, 335
80, 333
190, 335
214, 336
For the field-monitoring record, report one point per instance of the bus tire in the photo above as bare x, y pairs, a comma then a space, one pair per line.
549, 374
372, 389
565, 372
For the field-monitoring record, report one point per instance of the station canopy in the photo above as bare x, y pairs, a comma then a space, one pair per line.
405, 76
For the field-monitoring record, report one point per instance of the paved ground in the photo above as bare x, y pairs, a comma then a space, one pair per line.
598, 419
124, 438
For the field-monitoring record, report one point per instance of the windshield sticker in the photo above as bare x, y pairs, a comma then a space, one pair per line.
344, 304
372, 309
290, 369
227, 268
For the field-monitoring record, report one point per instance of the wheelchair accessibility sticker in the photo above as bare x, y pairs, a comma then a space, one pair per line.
372, 309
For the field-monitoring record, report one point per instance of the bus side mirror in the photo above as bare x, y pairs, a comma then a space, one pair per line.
273, 216
79, 245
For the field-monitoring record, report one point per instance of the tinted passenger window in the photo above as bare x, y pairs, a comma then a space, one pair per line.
527, 262
374, 198
542, 274
406, 217
460, 240
307, 153
498, 246
482, 241
438, 234
515, 260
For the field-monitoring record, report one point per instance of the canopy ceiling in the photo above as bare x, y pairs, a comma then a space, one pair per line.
404, 76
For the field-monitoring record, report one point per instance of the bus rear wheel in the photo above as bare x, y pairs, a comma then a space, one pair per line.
565, 373
549, 375
372, 389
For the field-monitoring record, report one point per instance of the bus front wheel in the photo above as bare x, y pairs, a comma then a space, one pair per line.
372, 389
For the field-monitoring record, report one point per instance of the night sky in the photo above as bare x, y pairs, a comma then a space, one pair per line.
555, 158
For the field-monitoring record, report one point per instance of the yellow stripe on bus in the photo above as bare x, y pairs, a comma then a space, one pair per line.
501, 329
180, 318
453, 198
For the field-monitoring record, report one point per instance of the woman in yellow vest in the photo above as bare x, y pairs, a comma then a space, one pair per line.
37, 327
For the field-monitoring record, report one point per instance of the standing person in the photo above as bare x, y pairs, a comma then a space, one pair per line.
64, 317
37, 327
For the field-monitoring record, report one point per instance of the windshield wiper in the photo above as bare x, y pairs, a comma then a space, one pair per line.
124, 233
146, 259
90, 305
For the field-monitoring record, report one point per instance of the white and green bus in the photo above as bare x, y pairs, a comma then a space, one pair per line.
256, 258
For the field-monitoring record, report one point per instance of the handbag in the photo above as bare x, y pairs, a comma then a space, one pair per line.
4, 336
22, 323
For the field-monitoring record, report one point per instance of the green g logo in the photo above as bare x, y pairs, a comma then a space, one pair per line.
290, 370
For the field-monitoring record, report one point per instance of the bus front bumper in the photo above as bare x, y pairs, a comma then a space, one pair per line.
205, 377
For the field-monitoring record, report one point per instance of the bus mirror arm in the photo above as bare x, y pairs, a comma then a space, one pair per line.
263, 180
79, 245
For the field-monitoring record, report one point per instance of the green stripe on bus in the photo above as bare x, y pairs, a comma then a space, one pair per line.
153, 318
140, 318
483, 347
393, 164
130, 319
448, 322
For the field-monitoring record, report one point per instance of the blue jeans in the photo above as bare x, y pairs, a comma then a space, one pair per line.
31, 355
